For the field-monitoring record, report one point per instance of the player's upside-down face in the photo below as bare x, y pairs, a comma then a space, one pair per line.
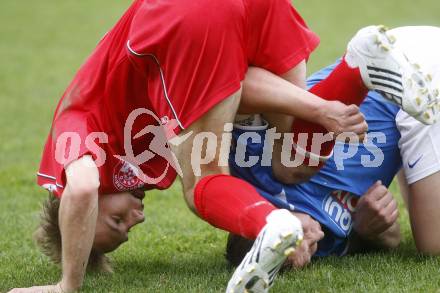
117, 214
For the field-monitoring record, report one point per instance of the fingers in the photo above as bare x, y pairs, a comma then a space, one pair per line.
354, 126
385, 213
360, 128
380, 200
376, 211
391, 212
394, 216
312, 235
303, 254
356, 118
384, 200
313, 248
374, 186
313, 239
355, 121
375, 192
352, 110
301, 257
357, 124
316, 233
312, 229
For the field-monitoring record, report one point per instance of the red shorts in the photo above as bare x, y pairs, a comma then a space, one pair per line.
177, 59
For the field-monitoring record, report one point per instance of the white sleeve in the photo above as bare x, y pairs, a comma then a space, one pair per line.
419, 147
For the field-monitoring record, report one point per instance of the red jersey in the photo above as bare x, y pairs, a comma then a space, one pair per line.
165, 63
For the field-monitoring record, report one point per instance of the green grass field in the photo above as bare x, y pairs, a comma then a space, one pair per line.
42, 44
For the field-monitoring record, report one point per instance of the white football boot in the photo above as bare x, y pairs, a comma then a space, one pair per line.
275, 242
385, 68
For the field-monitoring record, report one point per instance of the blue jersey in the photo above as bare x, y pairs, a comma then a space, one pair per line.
330, 197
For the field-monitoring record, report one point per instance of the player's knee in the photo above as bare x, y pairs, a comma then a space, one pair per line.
190, 182
189, 199
431, 251
428, 246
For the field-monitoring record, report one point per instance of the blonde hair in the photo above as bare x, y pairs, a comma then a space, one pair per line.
48, 238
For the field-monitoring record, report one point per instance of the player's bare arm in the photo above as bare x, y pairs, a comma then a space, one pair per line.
264, 92
282, 99
77, 220
78, 215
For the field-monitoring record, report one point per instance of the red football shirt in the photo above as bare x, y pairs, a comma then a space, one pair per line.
164, 63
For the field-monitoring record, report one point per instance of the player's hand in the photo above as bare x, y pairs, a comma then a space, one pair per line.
376, 212
339, 118
312, 234
39, 289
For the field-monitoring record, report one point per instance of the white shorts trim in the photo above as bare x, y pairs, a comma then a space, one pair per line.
51, 178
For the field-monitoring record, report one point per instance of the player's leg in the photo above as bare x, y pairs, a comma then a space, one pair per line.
403, 186
419, 144
202, 73
370, 59
419, 148
423, 202
232, 204
424, 206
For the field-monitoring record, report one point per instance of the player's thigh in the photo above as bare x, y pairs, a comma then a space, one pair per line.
420, 151
424, 207
206, 151
403, 186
